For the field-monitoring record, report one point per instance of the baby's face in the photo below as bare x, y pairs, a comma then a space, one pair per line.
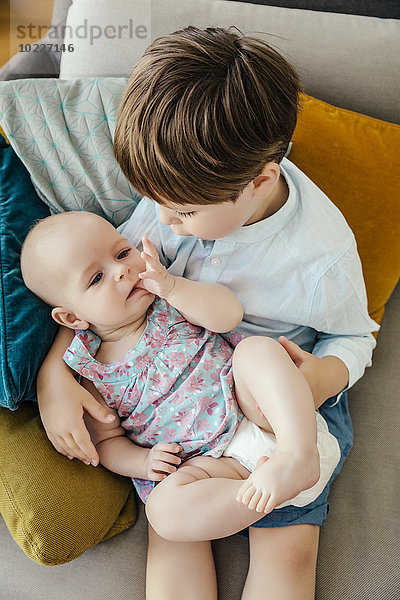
99, 275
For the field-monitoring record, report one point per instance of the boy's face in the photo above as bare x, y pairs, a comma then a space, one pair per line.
210, 221
98, 274
260, 199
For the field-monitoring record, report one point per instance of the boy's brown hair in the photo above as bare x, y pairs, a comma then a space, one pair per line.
203, 112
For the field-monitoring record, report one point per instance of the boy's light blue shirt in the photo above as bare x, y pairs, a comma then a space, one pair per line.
296, 273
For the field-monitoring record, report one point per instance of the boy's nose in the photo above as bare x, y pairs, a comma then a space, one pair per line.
167, 216
121, 272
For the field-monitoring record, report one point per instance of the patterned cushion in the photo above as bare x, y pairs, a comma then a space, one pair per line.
63, 132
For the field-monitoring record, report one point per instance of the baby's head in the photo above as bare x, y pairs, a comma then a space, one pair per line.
79, 264
203, 113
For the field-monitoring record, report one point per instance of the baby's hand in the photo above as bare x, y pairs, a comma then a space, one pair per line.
161, 459
156, 278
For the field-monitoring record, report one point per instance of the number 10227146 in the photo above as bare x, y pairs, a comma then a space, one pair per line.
44, 47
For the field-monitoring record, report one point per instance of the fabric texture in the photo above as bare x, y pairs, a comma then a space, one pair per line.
175, 385
63, 133
354, 159
27, 329
54, 508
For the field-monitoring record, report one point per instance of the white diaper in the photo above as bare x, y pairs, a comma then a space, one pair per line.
250, 442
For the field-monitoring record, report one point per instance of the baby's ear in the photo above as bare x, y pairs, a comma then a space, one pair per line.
63, 317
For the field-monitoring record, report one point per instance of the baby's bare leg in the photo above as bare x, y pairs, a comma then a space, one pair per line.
177, 571
198, 501
267, 380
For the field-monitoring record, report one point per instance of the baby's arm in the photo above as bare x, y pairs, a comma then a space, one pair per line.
209, 305
63, 401
120, 455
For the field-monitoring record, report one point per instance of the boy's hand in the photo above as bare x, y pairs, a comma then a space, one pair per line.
156, 278
63, 421
161, 459
326, 376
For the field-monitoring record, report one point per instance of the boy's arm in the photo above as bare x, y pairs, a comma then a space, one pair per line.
120, 455
209, 305
63, 401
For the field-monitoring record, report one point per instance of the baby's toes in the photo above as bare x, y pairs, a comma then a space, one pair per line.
243, 488
270, 505
248, 494
254, 500
262, 503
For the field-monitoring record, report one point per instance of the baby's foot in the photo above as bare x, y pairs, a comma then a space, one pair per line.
278, 479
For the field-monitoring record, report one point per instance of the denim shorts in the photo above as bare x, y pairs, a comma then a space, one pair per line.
337, 416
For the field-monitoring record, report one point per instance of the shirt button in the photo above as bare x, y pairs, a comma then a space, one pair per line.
215, 262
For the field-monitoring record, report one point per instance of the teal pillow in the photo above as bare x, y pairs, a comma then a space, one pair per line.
27, 329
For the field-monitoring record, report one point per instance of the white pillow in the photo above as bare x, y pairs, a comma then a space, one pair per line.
105, 37
347, 60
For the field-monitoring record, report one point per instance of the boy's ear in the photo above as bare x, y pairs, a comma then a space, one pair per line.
63, 317
268, 177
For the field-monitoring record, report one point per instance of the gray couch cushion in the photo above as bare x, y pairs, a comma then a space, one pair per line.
340, 57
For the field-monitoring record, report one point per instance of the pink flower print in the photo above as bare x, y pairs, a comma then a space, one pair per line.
208, 364
196, 383
140, 419
163, 319
123, 410
156, 339
95, 370
169, 435
177, 359
133, 396
159, 380
178, 397
215, 377
233, 338
122, 369
202, 425
210, 408
109, 393
142, 362
184, 419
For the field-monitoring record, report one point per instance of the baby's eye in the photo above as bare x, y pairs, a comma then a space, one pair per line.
185, 214
96, 279
123, 254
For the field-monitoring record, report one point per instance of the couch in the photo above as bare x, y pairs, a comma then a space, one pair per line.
350, 62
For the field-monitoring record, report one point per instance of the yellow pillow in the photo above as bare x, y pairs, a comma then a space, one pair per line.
3, 134
54, 508
355, 160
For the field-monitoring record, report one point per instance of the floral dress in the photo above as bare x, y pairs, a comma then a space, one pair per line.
176, 385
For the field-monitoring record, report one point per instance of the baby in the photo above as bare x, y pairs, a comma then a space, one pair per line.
150, 344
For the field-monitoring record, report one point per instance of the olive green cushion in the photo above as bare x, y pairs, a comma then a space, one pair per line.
54, 508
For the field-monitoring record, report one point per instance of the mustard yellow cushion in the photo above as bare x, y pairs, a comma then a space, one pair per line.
355, 160
54, 508
3, 134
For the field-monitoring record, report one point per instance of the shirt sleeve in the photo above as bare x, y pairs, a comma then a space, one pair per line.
340, 316
144, 221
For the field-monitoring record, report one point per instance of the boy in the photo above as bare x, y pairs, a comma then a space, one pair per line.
203, 128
